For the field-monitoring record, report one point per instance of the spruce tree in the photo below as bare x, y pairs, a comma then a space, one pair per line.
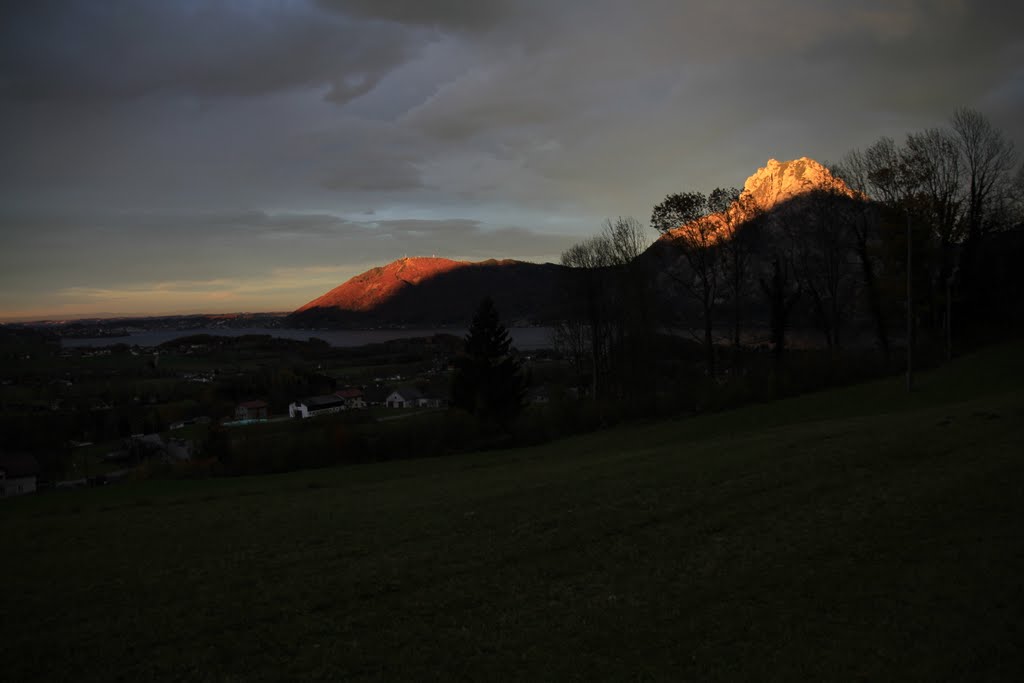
488, 378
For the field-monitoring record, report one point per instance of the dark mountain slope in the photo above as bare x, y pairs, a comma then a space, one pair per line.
437, 291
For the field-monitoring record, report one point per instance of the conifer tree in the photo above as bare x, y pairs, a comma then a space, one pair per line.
488, 378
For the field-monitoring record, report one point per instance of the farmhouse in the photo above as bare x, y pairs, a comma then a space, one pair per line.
353, 398
18, 474
316, 405
251, 410
411, 397
404, 397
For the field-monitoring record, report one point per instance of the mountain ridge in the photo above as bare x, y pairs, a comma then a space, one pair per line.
429, 290
439, 291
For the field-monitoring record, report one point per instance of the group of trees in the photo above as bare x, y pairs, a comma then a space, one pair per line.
609, 318
837, 257
951, 187
714, 237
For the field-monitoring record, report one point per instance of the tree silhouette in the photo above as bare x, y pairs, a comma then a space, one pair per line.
608, 322
782, 294
822, 248
738, 229
488, 379
694, 235
954, 185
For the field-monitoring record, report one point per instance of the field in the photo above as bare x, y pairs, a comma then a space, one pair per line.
855, 534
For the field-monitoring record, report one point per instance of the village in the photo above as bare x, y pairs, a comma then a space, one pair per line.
79, 417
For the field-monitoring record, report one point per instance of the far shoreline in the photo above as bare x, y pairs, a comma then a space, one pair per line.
525, 338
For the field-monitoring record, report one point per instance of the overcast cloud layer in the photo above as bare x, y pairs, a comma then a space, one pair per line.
222, 156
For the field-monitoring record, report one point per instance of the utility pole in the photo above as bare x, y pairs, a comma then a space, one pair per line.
949, 315
910, 306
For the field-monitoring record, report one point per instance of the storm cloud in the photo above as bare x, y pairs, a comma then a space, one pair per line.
258, 153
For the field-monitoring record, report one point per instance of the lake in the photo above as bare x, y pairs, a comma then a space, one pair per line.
523, 338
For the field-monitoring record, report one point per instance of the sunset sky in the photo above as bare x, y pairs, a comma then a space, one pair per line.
216, 156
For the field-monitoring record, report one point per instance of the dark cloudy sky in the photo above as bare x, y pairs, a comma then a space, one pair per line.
248, 155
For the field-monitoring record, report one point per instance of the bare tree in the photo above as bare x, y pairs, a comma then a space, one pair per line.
988, 159
635, 327
921, 183
1017, 197
856, 170
819, 228
586, 323
626, 237
916, 180
685, 219
881, 176
610, 314
953, 185
937, 200
739, 221
931, 159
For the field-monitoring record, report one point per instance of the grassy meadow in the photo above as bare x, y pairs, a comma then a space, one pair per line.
855, 534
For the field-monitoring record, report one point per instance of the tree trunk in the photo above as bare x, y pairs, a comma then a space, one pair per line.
874, 299
709, 344
736, 324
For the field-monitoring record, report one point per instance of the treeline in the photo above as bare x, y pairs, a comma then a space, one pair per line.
952, 188
933, 223
355, 437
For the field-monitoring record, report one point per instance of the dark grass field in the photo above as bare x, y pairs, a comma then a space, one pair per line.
857, 534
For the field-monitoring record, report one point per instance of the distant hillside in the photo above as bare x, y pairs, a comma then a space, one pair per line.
437, 291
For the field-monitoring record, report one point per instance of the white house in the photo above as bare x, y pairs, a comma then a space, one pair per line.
404, 397
18, 474
316, 405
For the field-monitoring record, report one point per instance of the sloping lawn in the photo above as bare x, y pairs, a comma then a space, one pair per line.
856, 534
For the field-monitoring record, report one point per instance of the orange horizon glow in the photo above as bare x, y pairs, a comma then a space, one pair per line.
284, 291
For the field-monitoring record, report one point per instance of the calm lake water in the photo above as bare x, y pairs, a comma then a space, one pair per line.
523, 338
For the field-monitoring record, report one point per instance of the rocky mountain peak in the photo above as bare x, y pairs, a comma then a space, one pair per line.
771, 186
779, 181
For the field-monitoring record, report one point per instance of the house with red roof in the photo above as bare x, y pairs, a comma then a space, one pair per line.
353, 397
